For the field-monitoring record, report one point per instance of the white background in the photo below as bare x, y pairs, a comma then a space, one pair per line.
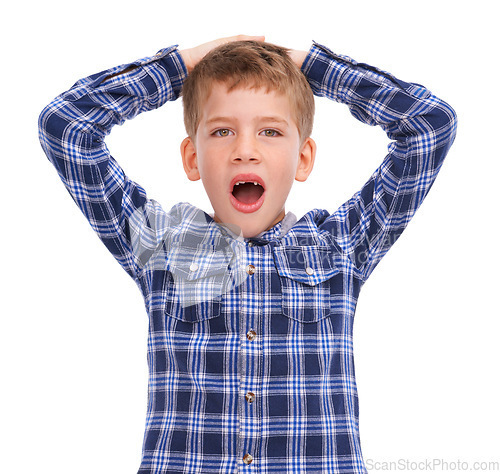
73, 325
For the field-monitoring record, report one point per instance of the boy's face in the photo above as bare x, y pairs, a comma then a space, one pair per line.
247, 152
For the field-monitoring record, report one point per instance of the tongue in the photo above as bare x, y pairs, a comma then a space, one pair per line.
247, 193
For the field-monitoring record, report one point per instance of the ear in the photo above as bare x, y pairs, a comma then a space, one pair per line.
190, 159
306, 159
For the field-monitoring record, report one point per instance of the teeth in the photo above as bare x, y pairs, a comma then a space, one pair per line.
244, 182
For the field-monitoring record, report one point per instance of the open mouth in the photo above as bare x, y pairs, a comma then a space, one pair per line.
247, 192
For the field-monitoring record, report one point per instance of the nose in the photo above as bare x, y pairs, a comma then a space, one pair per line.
246, 149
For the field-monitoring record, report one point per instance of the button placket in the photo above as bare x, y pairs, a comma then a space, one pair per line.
250, 319
249, 414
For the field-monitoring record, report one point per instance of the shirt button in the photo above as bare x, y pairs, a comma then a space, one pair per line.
250, 269
309, 271
250, 397
250, 244
193, 267
251, 335
247, 458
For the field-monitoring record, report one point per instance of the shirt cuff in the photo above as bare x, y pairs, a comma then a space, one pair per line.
324, 71
171, 59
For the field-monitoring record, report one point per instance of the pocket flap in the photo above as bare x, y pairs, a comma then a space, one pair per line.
307, 265
192, 264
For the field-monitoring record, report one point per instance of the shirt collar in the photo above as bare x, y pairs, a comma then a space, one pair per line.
274, 233
288, 232
278, 230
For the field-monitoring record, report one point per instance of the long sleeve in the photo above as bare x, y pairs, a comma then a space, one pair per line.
421, 128
72, 129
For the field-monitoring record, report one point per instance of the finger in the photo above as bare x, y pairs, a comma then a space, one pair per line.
298, 57
251, 38
230, 39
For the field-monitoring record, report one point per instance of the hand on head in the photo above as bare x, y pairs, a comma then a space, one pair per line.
192, 56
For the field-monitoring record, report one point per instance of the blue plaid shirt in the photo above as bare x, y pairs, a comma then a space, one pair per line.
250, 343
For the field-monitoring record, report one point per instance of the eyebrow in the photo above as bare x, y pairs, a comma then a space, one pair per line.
267, 119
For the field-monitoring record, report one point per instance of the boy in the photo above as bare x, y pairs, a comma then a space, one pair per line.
251, 311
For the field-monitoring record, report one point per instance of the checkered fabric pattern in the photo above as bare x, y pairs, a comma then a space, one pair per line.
250, 343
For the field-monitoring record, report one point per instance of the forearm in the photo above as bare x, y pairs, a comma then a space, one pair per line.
110, 97
376, 97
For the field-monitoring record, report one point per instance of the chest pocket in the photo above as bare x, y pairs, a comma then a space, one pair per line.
305, 275
195, 281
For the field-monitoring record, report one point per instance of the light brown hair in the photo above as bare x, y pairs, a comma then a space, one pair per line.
251, 64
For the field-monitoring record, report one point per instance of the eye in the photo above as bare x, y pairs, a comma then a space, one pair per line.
271, 133
222, 132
